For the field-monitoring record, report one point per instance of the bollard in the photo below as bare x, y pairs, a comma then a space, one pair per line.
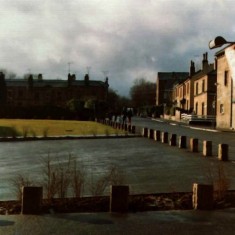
202, 196
193, 145
223, 152
157, 135
172, 140
150, 133
145, 132
119, 198
164, 137
207, 148
31, 200
182, 142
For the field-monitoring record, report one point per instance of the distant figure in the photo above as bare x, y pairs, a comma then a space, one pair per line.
124, 113
129, 115
118, 119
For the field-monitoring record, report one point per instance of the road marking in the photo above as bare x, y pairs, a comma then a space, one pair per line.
194, 128
157, 120
203, 129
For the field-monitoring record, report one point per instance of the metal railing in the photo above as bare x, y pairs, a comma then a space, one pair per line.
197, 118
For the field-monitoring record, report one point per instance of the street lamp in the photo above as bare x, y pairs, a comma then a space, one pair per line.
218, 42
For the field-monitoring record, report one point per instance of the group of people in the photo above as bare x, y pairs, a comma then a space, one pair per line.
125, 117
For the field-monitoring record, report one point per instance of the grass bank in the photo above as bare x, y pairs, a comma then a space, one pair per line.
49, 128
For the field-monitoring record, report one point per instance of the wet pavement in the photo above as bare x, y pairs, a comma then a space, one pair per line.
146, 165
161, 222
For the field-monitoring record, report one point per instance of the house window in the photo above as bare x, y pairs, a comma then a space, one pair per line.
36, 96
203, 85
225, 78
20, 93
196, 93
196, 106
221, 108
203, 107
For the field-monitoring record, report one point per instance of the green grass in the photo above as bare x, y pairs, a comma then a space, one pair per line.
47, 128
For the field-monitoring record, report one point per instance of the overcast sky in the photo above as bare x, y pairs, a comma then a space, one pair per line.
128, 38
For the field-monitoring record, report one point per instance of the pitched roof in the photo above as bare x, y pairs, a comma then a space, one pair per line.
51, 83
173, 75
209, 71
171, 78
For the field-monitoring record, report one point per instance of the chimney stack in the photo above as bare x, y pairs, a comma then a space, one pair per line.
192, 69
40, 77
86, 79
205, 61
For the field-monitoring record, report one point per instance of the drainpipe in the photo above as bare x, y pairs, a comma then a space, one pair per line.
231, 108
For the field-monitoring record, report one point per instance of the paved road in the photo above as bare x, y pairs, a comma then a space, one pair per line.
202, 133
147, 223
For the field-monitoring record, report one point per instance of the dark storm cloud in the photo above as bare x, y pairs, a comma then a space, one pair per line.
130, 39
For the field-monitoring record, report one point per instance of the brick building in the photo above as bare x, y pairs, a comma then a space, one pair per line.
37, 92
225, 116
183, 91
197, 93
205, 89
165, 84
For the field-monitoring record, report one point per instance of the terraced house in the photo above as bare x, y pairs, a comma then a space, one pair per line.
207, 94
225, 115
183, 92
35, 92
196, 93
165, 86
205, 89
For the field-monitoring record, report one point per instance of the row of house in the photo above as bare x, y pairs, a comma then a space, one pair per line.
36, 91
206, 93
25, 97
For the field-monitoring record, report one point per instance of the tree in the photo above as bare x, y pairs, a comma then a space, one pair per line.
8, 74
75, 105
143, 93
90, 105
115, 103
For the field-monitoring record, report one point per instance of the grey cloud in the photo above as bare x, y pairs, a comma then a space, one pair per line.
127, 38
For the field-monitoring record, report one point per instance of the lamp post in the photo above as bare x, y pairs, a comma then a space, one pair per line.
218, 42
